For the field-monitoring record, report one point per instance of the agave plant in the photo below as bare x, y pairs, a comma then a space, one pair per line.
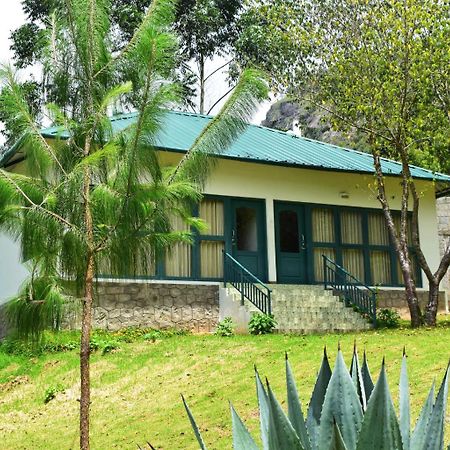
346, 412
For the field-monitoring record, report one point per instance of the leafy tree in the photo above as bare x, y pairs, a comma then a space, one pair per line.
208, 28
98, 199
381, 67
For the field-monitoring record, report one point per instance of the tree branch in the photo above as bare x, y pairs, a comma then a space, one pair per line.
219, 68
220, 99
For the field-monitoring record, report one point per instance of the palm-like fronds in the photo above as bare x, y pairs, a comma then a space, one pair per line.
131, 197
220, 133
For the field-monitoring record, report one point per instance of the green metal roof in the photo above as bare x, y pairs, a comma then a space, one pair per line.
258, 144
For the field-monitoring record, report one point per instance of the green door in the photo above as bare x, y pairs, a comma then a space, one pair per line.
248, 235
290, 243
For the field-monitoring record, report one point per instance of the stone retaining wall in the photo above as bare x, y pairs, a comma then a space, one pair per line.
193, 307
396, 299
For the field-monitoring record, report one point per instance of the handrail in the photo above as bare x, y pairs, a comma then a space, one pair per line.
354, 291
248, 285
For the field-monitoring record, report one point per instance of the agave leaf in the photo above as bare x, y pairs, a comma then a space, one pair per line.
435, 429
295, 413
420, 430
380, 429
264, 412
341, 404
355, 373
242, 439
317, 399
367, 378
337, 443
194, 426
283, 435
405, 417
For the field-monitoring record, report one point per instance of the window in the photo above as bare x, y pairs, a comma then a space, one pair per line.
289, 235
212, 241
357, 239
178, 257
323, 236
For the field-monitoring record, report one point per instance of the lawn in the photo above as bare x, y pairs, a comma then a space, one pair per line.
136, 389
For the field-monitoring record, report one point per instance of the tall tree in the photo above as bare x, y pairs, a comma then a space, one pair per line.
208, 28
98, 199
381, 67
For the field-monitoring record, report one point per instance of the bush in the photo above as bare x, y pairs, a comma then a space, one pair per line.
388, 318
346, 411
225, 328
50, 392
261, 323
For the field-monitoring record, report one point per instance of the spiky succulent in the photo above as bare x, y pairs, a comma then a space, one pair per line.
346, 412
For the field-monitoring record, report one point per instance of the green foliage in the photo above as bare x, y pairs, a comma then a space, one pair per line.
388, 318
129, 199
67, 341
40, 305
345, 422
261, 323
51, 392
225, 328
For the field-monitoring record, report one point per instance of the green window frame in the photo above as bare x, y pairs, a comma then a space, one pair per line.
365, 247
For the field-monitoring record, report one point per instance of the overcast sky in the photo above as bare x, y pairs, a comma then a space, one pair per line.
12, 17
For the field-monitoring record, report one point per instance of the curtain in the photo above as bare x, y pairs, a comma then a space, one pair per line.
378, 231
211, 211
380, 267
211, 259
318, 261
353, 262
323, 225
351, 227
397, 222
178, 257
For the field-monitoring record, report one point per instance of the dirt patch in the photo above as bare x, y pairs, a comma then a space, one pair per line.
15, 382
50, 364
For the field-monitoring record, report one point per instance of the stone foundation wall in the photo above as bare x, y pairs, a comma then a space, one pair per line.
396, 299
443, 216
193, 307
3, 323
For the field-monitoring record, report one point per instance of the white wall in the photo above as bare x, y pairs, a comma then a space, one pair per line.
263, 181
12, 273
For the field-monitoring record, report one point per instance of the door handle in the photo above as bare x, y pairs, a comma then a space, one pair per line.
233, 237
303, 242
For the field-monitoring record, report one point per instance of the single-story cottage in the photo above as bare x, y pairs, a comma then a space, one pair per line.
275, 205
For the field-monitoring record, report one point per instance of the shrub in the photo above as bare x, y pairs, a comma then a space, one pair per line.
346, 412
261, 323
50, 392
225, 328
388, 318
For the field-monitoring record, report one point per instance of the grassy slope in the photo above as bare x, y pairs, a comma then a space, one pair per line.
136, 389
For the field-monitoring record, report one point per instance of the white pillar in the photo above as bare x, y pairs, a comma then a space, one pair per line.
271, 248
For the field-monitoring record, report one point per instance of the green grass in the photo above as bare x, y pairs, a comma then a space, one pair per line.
136, 389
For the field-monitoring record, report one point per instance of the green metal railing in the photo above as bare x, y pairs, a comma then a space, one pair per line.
249, 286
354, 292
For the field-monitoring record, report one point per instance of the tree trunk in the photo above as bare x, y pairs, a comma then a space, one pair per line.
85, 352
433, 303
202, 84
411, 298
86, 320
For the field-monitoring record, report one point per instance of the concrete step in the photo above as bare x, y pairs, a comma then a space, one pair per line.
309, 309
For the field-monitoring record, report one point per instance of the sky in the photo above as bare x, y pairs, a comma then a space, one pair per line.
12, 17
